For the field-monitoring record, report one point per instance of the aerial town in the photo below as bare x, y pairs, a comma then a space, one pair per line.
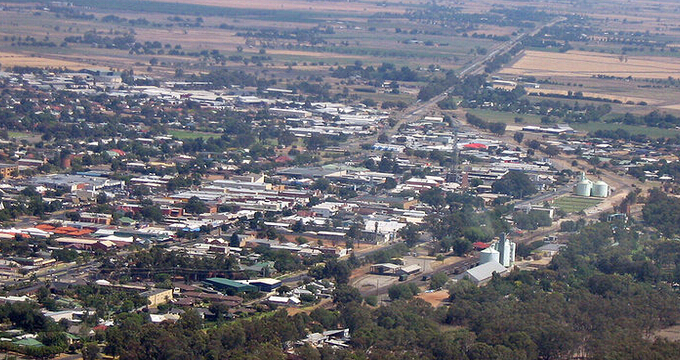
223, 180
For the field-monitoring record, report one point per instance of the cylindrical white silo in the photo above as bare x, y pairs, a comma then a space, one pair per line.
489, 255
584, 186
600, 189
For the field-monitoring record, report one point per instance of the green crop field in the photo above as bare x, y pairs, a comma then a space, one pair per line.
509, 118
505, 117
572, 204
652, 132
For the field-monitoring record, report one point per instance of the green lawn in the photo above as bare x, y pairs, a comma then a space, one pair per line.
530, 119
505, 117
190, 135
19, 134
572, 204
652, 132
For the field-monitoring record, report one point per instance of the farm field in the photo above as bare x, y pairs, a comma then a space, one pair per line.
8, 59
586, 64
505, 117
366, 6
530, 119
622, 98
573, 204
631, 129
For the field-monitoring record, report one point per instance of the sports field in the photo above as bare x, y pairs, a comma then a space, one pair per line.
572, 204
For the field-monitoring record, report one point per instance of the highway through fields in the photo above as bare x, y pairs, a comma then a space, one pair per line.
423, 107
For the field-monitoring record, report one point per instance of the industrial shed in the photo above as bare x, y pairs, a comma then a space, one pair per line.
230, 285
385, 269
409, 270
483, 273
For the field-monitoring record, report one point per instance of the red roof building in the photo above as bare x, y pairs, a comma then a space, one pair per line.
476, 146
480, 245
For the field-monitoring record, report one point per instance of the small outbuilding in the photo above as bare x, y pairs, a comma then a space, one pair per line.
409, 270
385, 269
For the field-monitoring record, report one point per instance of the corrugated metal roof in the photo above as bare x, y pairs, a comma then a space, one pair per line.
485, 271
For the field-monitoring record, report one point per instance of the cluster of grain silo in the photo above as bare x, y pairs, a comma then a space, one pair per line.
502, 251
586, 187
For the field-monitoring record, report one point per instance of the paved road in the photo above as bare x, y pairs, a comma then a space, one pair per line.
421, 108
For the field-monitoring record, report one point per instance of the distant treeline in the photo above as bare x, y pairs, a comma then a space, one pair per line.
494, 127
386, 71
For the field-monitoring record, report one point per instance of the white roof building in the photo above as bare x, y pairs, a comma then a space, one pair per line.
483, 273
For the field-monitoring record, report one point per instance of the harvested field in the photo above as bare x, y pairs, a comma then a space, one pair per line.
585, 64
623, 99
435, 298
13, 59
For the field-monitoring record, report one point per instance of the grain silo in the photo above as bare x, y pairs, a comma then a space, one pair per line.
489, 255
600, 189
584, 186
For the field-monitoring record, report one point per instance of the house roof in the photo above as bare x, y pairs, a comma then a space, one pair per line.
475, 146
29, 342
388, 266
481, 245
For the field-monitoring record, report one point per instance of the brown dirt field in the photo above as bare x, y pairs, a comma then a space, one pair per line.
434, 298
361, 271
585, 64
207, 38
14, 59
623, 99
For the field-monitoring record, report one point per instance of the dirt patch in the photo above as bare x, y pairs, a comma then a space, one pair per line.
447, 261
435, 298
325, 303
585, 64
670, 333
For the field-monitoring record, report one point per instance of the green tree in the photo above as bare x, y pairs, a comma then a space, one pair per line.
195, 206
438, 280
516, 184
90, 351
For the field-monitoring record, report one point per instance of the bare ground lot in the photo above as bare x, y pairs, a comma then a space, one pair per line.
585, 64
435, 298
